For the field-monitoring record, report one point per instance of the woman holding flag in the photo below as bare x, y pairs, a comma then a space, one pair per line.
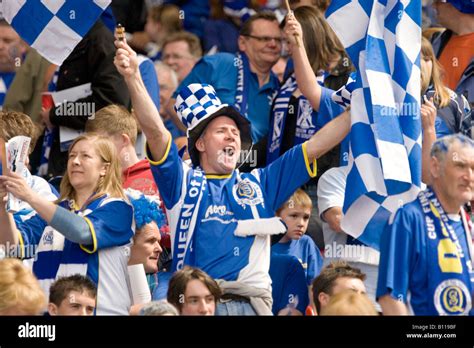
294, 117
296, 114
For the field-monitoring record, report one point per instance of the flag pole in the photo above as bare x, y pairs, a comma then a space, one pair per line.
288, 8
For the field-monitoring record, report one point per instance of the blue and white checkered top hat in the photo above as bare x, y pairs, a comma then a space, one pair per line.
196, 102
197, 105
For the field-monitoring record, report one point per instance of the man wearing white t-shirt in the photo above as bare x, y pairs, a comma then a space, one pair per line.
339, 245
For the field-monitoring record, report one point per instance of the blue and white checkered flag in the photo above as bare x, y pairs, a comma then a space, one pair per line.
343, 95
53, 27
384, 42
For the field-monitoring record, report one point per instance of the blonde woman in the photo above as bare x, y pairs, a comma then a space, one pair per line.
86, 232
454, 113
20, 292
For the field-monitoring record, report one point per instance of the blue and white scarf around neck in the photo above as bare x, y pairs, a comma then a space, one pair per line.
449, 266
253, 211
242, 88
280, 113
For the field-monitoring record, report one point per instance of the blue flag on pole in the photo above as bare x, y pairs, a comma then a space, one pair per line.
383, 39
53, 27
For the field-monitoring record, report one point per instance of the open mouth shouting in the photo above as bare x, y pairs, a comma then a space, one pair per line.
227, 155
229, 151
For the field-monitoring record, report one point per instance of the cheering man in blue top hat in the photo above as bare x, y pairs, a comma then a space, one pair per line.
220, 219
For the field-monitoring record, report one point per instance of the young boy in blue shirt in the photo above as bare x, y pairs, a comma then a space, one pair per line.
296, 213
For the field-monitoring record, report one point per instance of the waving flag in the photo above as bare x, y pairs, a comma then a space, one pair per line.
53, 27
383, 39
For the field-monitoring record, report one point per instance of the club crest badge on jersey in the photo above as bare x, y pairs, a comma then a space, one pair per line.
247, 192
48, 237
452, 298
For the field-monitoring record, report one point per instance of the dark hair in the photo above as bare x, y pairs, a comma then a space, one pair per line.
63, 286
217, 9
179, 281
168, 16
321, 43
324, 282
322, 5
247, 25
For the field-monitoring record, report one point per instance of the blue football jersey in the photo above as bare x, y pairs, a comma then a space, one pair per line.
289, 288
217, 250
306, 252
104, 262
404, 266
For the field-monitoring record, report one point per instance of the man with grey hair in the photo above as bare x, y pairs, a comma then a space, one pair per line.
159, 308
168, 81
427, 250
181, 51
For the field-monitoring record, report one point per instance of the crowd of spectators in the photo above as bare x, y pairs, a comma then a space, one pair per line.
204, 110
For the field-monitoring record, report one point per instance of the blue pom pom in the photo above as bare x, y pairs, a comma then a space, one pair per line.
146, 210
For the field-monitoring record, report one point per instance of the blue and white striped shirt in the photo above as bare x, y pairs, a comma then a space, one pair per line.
104, 262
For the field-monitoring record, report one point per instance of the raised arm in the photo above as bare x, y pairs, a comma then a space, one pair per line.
336, 130
390, 306
72, 226
428, 117
173, 115
148, 116
15, 184
329, 136
8, 232
305, 76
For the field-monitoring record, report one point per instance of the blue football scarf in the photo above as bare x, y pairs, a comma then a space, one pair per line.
280, 112
45, 152
183, 252
47, 263
6, 80
238, 8
449, 281
42, 169
245, 199
242, 88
